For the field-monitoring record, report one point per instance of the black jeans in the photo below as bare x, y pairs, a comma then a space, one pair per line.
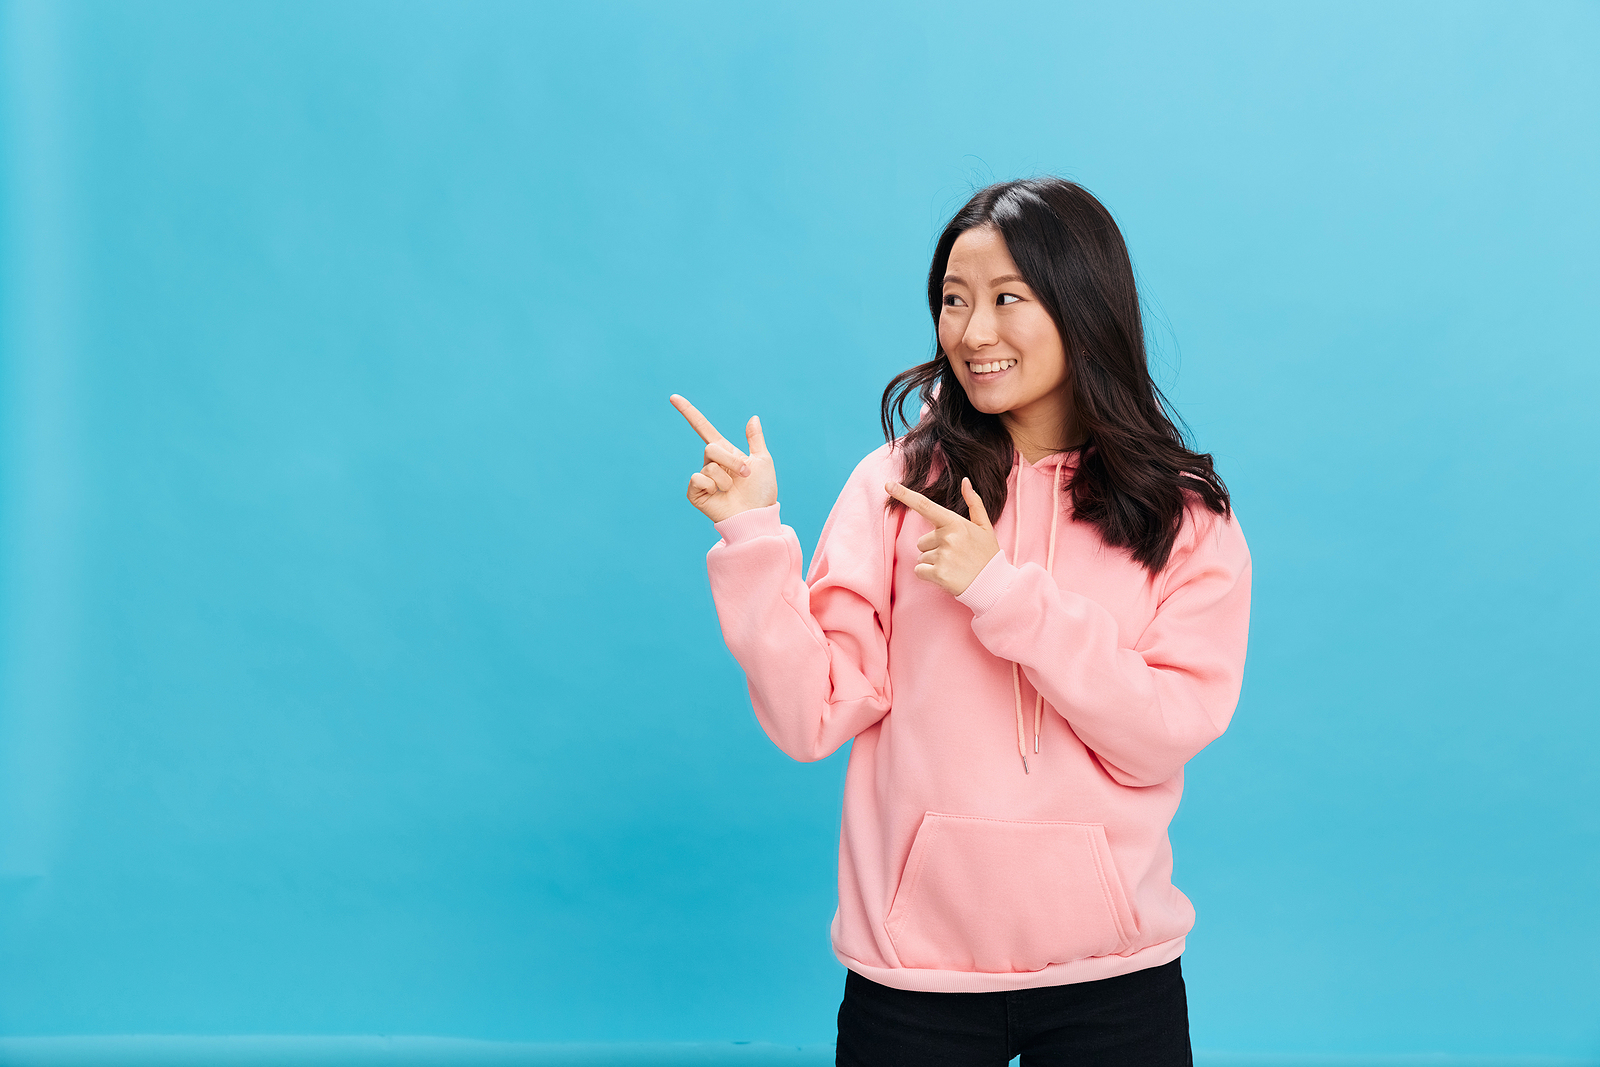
1133, 1020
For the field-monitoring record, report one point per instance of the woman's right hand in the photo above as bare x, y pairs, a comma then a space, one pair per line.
730, 481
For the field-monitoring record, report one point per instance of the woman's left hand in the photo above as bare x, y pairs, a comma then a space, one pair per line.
956, 549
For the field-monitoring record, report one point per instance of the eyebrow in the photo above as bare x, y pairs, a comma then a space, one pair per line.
952, 278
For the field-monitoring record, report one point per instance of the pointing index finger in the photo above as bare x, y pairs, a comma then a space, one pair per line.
934, 513
702, 425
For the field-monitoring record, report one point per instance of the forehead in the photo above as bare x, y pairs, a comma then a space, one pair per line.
978, 255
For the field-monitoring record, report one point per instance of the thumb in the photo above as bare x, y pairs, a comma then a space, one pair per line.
980, 514
753, 434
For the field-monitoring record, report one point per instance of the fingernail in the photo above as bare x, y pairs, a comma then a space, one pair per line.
744, 471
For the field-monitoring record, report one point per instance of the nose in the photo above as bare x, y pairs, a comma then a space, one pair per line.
980, 332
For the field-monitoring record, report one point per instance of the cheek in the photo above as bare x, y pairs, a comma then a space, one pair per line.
1041, 342
951, 330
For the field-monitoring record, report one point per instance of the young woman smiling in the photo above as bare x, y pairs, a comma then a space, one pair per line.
1028, 612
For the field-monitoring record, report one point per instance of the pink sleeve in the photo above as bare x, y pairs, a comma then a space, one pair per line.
1143, 710
813, 652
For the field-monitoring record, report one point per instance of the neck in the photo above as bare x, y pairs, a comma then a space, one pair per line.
1038, 433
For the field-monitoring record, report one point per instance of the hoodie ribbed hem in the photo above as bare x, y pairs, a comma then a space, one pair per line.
1089, 970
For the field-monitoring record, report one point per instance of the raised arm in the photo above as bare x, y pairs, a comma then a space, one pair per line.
812, 648
1147, 709
1144, 710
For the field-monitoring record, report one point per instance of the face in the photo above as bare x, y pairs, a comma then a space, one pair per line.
1003, 345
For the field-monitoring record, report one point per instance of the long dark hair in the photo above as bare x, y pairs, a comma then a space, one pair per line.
1134, 470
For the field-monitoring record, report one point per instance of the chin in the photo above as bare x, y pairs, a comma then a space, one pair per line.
990, 403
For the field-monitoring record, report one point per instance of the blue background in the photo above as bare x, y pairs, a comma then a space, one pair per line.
359, 671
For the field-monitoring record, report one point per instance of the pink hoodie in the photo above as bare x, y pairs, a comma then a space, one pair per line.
961, 869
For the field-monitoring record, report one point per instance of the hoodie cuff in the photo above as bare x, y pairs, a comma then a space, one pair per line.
757, 522
991, 582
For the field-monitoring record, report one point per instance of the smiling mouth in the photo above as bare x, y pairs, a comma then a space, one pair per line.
986, 370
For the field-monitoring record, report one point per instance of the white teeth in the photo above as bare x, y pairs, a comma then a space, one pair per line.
990, 368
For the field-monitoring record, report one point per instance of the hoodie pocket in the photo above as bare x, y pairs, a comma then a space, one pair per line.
996, 895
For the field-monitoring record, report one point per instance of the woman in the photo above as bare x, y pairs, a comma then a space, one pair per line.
1028, 612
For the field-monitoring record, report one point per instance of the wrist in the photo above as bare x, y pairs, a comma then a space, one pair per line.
989, 584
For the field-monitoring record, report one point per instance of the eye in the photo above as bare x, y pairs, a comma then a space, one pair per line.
1007, 298
951, 300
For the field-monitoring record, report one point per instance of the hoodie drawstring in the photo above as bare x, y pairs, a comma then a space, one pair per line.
1049, 567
